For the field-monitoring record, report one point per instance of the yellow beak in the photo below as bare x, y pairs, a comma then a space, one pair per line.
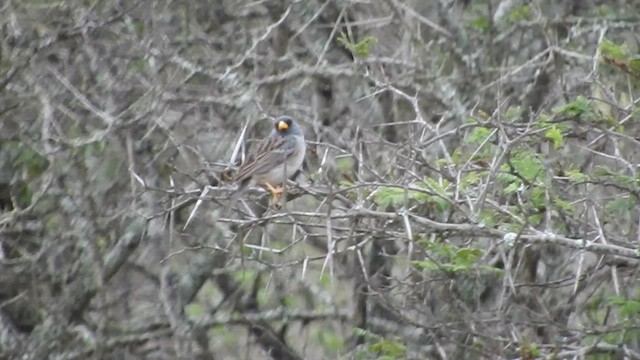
282, 126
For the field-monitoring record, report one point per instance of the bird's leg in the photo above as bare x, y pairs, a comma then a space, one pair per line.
275, 192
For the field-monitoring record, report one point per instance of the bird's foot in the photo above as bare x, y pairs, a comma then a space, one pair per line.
276, 193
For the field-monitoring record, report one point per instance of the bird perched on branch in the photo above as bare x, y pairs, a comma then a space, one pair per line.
273, 159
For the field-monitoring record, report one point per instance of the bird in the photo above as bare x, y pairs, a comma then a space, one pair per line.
273, 159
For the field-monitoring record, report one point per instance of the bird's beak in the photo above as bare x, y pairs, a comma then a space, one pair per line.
282, 126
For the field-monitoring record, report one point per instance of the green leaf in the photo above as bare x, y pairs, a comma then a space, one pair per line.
138, 27
489, 218
244, 275
512, 114
602, 170
513, 187
385, 347
481, 24
23, 194
605, 11
470, 179
345, 164
555, 135
576, 176
467, 255
360, 49
448, 258
506, 178
194, 311
331, 341
478, 135
425, 264
534, 219
139, 65
441, 204
580, 107
564, 205
436, 186
634, 65
538, 197
612, 50
527, 164
625, 181
395, 196
362, 333
531, 351
620, 205
630, 308
519, 14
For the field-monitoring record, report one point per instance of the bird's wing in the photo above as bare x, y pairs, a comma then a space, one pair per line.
267, 154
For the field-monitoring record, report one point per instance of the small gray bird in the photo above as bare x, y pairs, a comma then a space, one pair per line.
273, 159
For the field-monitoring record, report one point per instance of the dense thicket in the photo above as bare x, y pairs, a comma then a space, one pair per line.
470, 189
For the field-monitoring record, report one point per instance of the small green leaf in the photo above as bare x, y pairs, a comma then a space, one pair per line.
288, 301
478, 135
244, 275
625, 181
506, 178
390, 349
488, 218
564, 205
538, 197
580, 107
534, 219
425, 264
360, 49
512, 188
194, 310
331, 341
634, 65
470, 179
612, 50
576, 176
138, 27
139, 65
630, 308
449, 258
441, 204
605, 10
555, 135
362, 333
519, 14
467, 255
481, 24
512, 114
23, 194
527, 164
395, 196
602, 170
620, 206
530, 352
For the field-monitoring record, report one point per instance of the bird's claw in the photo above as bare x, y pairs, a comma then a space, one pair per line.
276, 193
